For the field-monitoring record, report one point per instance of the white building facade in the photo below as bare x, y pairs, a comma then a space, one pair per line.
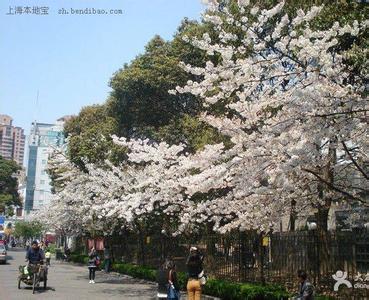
42, 140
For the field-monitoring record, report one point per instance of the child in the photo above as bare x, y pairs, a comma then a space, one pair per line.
48, 257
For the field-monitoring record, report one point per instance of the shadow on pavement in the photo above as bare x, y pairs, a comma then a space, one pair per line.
131, 292
39, 290
114, 279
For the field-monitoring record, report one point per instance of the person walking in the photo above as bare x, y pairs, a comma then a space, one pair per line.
162, 281
194, 268
48, 256
27, 245
42, 246
306, 291
173, 285
107, 259
92, 265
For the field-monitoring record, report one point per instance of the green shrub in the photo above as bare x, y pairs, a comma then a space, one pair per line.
79, 258
52, 248
246, 291
135, 271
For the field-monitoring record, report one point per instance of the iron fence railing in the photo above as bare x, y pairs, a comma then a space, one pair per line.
252, 257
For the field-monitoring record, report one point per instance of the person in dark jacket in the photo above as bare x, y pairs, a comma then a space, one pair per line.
306, 291
162, 280
35, 255
107, 259
194, 268
92, 265
173, 281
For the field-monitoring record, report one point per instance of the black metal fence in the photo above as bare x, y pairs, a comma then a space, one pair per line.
273, 258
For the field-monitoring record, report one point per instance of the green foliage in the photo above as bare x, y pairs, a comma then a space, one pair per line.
27, 230
8, 185
140, 97
79, 258
191, 131
236, 291
140, 101
135, 271
52, 248
90, 136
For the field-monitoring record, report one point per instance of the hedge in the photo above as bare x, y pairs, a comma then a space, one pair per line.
135, 271
227, 290
79, 258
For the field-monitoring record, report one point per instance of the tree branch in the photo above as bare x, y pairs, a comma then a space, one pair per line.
330, 185
341, 113
354, 162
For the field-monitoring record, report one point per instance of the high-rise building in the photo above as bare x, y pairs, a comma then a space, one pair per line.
42, 140
19, 140
12, 140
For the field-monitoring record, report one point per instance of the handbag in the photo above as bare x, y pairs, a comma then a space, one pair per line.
97, 261
202, 278
172, 292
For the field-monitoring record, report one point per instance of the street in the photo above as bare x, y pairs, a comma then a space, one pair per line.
67, 281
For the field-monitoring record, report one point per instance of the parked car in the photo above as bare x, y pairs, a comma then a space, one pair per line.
3, 254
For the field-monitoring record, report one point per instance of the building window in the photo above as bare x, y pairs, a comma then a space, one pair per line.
43, 172
44, 161
42, 181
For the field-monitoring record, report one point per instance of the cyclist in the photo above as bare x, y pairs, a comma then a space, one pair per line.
35, 255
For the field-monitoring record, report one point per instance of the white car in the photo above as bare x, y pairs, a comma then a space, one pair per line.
2, 254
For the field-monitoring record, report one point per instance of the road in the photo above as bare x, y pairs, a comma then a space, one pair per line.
70, 282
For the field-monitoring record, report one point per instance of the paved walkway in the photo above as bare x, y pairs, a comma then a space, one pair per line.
70, 282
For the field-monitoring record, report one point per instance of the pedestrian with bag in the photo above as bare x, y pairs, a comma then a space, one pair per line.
173, 286
196, 276
306, 291
107, 259
93, 261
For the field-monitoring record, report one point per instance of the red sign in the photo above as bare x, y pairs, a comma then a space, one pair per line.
98, 243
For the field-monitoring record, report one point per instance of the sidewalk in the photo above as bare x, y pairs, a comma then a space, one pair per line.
116, 278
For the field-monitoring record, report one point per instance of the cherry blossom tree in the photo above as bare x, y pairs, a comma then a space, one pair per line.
295, 113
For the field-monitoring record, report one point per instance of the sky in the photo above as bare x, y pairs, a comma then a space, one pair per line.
68, 59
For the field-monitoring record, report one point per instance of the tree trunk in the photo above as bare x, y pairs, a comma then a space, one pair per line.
323, 250
293, 216
141, 241
322, 218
